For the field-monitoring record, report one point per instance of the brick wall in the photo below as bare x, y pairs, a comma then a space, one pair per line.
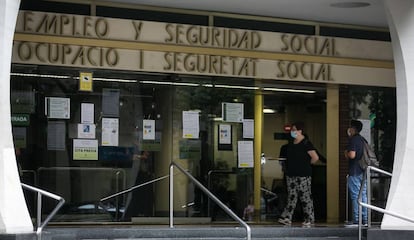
344, 119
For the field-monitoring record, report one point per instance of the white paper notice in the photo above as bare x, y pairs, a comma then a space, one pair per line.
148, 129
87, 113
232, 112
245, 154
366, 129
110, 131
248, 128
191, 126
58, 108
86, 130
225, 134
56, 132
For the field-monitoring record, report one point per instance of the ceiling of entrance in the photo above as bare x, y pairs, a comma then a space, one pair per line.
355, 12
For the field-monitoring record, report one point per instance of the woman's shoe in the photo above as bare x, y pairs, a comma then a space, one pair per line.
285, 221
307, 224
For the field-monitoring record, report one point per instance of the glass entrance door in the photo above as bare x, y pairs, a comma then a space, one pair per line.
213, 156
284, 105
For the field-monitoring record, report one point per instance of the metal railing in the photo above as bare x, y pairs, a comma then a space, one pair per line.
29, 172
347, 200
369, 206
268, 192
207, 192
133, 188
128, 191
40, 193
209, 184
106, 174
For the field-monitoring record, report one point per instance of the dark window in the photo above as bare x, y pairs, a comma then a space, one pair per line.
264, 26
151, 15
59, 7
355, 33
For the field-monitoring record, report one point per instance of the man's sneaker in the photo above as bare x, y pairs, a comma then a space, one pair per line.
284, 221
351, 225
356, 224
307, 224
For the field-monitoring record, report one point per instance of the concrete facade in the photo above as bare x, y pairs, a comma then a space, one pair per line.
400, 15
14, 215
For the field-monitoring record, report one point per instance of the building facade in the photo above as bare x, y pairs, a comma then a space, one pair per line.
104, 97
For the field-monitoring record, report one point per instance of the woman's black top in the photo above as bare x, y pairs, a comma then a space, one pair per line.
298, 162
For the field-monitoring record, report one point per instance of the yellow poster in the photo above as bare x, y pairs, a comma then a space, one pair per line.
85, 149
85, 81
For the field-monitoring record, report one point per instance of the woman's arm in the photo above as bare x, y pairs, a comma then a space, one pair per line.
314, 156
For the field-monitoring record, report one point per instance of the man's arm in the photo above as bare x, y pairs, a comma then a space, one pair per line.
350, 154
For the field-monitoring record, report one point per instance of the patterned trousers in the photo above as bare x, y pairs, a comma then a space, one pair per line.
299, 187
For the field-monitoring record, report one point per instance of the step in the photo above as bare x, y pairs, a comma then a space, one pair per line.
381, 234
166, 220
194, 232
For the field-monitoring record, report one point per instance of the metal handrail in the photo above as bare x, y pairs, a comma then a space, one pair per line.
207, 192
119, 174
128, 191
40, 193
133, 188
367, 176
268, 192
347, 200
32, 172
221, 171
274, 196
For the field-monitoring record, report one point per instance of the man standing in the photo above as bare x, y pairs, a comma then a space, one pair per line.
353, 153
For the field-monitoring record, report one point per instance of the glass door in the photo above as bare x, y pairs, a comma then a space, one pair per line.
285, 104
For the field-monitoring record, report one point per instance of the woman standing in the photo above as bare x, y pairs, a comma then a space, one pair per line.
300, 155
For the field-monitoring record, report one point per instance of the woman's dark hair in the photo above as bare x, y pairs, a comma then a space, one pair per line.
299, 126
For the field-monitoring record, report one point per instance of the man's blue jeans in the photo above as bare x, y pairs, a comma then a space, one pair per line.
354, 183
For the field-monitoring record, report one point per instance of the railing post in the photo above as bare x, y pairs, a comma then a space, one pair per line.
39, 209
369, 194
209, 187
361, 188
117, 198
347, 200
209, 194
366, 179
171, 196
40, 194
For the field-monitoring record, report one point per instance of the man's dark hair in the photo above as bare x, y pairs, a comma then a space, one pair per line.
357, 125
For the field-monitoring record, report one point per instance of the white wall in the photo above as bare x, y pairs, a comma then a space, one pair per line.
400, 15
14, 216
